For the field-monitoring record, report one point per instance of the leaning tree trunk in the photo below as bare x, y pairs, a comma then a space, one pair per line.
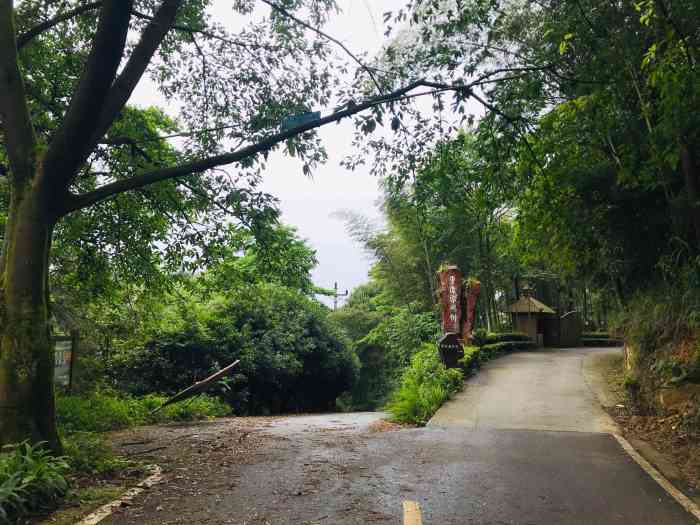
27, 409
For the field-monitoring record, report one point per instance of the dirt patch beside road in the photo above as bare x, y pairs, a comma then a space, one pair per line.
242, 470
662, 440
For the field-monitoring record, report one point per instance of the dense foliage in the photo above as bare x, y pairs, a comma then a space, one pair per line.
291, 357
252, 303
425, 385
386, 349
578, 173
584, 163
31, 480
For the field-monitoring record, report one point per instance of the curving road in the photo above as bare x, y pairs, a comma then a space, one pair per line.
544, 390
548, 442
525, 443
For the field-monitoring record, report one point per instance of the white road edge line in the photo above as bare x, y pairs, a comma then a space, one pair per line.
676, 494
109, 508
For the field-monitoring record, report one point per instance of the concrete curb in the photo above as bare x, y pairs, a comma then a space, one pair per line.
683, 500
106, 510
598, 386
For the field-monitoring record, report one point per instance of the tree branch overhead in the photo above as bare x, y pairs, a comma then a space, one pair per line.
82, 201
71, 144
16, 123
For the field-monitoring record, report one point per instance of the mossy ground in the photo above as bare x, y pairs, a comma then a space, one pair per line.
82, 502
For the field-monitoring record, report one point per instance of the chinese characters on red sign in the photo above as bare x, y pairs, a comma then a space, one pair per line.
458, 303
451, 295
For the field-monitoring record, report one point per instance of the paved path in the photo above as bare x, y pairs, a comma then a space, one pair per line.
549, 442
525, 444
543, 390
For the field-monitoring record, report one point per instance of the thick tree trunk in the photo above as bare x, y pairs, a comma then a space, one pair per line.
619, 291
27, 409
692, 187
494, 310
430, 274
487, 310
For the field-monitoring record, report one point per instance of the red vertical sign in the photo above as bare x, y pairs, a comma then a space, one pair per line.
472, 293
451, 299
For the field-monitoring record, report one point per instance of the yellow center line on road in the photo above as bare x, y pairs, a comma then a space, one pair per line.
411, 513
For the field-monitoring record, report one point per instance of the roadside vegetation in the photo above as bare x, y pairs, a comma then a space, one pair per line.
102, 411
424, 386
579, 176
661, 330
31, 480
136, 354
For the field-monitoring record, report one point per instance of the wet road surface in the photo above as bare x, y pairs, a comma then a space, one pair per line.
543, 390
525, 443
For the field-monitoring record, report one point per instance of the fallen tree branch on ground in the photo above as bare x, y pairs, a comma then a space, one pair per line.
198, 387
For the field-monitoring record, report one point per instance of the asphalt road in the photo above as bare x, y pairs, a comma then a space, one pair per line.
525, 443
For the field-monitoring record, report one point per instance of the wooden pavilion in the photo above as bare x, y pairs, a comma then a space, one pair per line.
535, 319
543, 324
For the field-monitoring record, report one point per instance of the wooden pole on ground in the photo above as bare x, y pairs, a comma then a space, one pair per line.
198, 387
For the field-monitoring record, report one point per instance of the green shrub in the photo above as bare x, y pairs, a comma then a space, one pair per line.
596, 335
425, 385
292, 358
474, 356
470, 361
88, 453
386, 351
481, 337
495, 349
506, 337
200, 407
30, 480
492, 350
599, 339
588, 341
98, 412
103, 411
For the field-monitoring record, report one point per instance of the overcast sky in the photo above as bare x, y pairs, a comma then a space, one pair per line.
309, 203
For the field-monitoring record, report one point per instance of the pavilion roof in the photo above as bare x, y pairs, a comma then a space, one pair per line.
526, 305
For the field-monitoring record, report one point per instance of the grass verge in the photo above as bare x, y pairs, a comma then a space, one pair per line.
33, 483
103, 410
426, 384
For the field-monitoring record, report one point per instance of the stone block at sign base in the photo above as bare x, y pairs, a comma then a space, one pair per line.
451, 350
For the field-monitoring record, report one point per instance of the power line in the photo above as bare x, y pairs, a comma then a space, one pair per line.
336, 295
371, 17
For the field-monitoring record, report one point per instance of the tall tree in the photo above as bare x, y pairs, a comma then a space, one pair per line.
71, 145
596, 103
